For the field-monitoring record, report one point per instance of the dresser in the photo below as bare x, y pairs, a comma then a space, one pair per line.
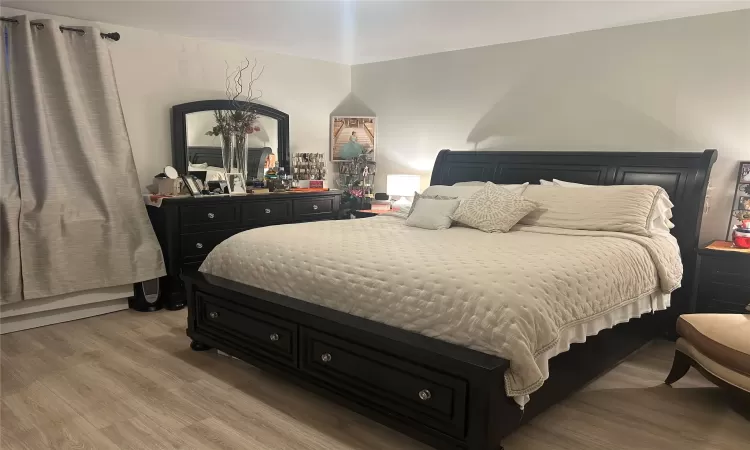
723, 281
188, 228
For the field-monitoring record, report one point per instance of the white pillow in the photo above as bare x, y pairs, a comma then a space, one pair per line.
492, 209
432, 214
557, 182
418, 196
546, 183
466, 191
517, 188
469, 183
660, 222
620, 208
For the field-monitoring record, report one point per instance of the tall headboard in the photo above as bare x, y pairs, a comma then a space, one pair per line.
683, 175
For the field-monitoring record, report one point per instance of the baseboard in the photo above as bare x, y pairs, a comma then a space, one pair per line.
37, 313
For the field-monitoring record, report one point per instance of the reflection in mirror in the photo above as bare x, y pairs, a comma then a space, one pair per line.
204, 151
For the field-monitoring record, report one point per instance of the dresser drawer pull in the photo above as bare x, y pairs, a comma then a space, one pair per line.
213, 315
268, 210
326, 357
274, 337
315, 207
211, 215
425, 394
198, 245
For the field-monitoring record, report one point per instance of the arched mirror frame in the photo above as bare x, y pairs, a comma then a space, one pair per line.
179, 128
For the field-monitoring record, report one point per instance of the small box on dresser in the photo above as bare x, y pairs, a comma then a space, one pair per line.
188, 228
723, 279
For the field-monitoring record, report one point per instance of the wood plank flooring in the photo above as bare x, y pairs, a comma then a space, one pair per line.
128, 380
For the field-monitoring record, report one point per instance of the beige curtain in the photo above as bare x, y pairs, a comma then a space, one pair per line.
71, 217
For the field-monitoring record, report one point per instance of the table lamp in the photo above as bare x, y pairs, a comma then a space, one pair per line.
402, 186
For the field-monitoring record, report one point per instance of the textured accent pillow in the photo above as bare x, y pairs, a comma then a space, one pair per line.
662, 213
620, 208
493, 209
433, 214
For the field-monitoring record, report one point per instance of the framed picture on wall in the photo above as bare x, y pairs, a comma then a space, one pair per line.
352, 136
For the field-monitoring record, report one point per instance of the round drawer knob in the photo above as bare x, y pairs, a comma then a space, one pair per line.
213, 314
198, 245
315, 207
424, 394
326, 357
268, 211
274, 337
211, 215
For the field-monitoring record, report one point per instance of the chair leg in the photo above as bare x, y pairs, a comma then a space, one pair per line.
680, 367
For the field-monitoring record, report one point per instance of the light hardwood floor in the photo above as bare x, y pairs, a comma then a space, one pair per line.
129, 380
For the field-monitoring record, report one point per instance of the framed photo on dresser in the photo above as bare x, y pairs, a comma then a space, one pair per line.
193, 184
745, 172
236, 184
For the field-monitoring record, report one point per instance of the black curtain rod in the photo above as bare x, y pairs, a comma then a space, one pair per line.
114, 36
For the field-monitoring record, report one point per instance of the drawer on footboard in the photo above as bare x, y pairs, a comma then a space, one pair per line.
253, 331
395, 385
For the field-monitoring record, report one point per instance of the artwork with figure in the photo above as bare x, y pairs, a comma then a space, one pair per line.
351, 137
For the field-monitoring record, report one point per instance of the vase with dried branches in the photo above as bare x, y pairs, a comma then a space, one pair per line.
233, 125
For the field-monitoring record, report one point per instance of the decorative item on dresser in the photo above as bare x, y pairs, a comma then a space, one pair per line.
723, 281
188, 228
739, 216
447, 395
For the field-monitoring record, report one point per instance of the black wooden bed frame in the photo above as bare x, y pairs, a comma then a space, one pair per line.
445, 395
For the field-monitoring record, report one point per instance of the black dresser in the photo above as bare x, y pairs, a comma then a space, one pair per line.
188, 228
723, 282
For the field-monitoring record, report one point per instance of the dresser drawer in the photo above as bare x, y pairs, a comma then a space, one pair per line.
261, 213
310, 208
196, 244
210, 217
398, 386
259, 333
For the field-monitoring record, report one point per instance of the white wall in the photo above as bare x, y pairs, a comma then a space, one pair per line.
155, 71
675, 85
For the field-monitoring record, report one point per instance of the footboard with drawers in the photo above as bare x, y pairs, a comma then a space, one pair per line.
443, 394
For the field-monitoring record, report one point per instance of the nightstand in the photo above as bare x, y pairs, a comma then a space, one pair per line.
723, 280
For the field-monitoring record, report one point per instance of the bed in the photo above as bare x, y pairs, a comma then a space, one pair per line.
395, 324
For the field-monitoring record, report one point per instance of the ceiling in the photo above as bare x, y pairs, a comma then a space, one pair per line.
356, 32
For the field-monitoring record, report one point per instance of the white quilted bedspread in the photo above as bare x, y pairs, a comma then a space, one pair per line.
507, 294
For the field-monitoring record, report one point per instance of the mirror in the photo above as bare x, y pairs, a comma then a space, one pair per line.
199, 151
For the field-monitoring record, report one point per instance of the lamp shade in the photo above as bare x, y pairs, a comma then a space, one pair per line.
402, 185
